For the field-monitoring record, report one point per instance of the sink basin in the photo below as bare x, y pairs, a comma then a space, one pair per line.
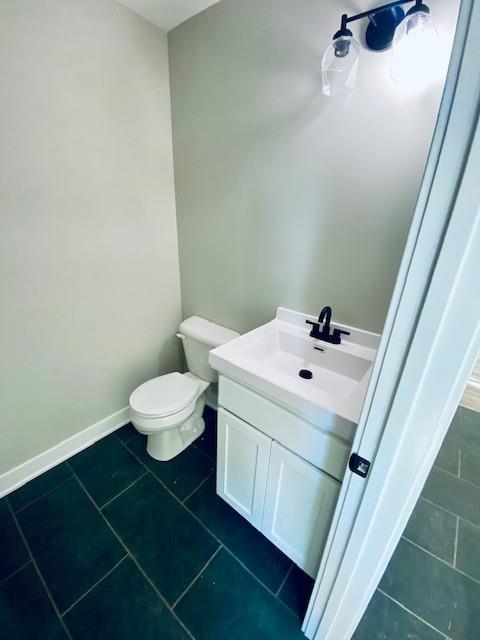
269, 360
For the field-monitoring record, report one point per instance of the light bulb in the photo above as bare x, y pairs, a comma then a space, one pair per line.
416, 59
339, 66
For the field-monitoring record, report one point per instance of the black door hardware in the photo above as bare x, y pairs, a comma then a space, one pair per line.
359, 465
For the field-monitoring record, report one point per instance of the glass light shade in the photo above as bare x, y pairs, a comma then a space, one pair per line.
416, 56
339, 66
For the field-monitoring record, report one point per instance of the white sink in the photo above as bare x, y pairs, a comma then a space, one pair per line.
269, 359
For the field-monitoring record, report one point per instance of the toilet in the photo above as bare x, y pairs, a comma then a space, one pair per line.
168, 409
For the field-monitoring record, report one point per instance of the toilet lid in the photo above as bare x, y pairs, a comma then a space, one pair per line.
164, 395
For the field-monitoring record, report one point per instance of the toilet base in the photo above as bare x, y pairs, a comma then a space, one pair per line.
168, 443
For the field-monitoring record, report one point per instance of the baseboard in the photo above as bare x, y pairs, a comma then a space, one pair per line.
16, 477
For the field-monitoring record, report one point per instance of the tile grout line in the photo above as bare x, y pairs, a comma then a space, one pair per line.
211, 532
412, 613
14, 573
435, 504
455, 545
122, 491
185, 591
459, 463
442, 561
454, 475
430, 553
132, 436
277, 594
69, 608
38, 572
209, 458
25, 506
198, 487
132, 557
259, 581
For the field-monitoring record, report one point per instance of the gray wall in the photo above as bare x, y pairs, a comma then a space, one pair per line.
286, 197
89, 283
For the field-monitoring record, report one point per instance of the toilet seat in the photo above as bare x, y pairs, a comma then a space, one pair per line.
165, 395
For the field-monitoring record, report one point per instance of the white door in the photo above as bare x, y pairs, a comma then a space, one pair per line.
242, 466
299, 505
429, 343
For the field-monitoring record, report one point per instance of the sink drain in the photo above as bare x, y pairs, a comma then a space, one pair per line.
306, 374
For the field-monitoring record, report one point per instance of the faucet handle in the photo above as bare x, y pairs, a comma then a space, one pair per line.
337, 333
315, 331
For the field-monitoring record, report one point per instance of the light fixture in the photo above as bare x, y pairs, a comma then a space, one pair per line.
414, 52
340, 63
415, 48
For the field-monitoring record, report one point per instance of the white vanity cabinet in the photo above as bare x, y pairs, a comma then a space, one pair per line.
290, 500
284, 438
242, 466
299, 504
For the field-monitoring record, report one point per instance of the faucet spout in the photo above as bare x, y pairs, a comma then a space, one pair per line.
325, 318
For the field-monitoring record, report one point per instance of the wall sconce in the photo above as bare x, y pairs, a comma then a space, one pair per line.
413, 38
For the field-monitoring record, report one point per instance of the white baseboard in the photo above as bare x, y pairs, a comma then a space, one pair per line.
16, 477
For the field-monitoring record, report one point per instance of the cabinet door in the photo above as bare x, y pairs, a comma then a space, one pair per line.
299, 505
242, 466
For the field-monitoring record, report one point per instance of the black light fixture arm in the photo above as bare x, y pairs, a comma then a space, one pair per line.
384, 19
365, 14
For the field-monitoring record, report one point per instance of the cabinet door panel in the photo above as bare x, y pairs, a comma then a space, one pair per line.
299, 505
242, 466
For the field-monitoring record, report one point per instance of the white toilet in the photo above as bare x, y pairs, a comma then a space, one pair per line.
169, 409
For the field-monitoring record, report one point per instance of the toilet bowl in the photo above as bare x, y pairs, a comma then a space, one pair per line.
168, 409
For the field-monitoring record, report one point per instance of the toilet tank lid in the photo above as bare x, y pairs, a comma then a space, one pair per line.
209, 333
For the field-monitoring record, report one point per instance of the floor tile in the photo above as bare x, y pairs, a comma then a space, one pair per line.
251, 547
208, 440
455, 428
123, 606
386, 620
296, 591
126, 433
70, 541
454, 494
433, 529
227, 602
13, 553
182, 474
432, 590
470, 467
106, 468
25, 610
38, 486
448, 455
468, 549
467, 430
471, 428
170, 545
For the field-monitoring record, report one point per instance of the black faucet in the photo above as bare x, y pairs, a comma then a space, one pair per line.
324, 334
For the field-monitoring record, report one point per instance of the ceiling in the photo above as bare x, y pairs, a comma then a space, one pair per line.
167, 14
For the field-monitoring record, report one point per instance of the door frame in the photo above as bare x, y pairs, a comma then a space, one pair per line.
416, 383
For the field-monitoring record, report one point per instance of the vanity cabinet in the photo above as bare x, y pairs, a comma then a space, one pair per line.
242, 466
288, 499
299, 504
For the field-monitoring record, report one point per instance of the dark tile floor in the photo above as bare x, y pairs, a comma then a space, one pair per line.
113, 544
431, 588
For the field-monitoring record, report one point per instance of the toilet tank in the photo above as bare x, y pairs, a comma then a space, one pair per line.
199, 337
